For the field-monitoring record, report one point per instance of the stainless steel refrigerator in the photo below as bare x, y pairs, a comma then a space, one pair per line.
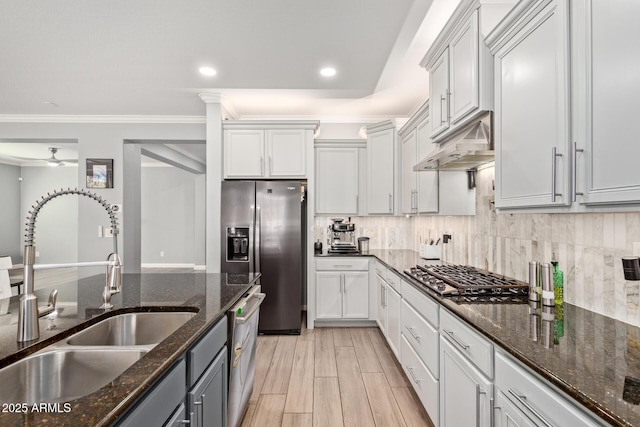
263, 231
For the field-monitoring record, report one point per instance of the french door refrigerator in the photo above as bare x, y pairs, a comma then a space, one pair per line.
262, 231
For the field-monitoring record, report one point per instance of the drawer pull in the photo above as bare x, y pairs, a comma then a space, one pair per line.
415, 337
413, 375
343, 265
456, 340
522, 399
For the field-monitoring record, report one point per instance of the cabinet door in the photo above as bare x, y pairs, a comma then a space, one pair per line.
439, 90
337, 181
207, 400
355, 297
382, 305
408, 183
464, 69
244, 153
179, 417
608, 102
427, 180
286, 152
508, 415
462, 386
532, 113
393, 320
380, 172
328, 295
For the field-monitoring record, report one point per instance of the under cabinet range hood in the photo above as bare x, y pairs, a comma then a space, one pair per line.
467, 149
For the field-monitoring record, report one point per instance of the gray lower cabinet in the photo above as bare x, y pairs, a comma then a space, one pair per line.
207, 399
159, 405
198, 380
508, 415
179, 417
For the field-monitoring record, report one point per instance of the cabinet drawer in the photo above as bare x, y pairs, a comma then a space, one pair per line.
422, 303
534, 398
381, 269
342, 264
425, 385
158, 405
422, 336
201, 354
394, 280
477, 349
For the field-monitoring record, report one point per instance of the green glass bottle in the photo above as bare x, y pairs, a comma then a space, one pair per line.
558, 290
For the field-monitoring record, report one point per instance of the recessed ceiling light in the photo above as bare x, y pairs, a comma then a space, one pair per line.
328, 72
207, 71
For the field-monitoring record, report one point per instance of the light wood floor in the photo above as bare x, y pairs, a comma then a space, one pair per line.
334, 377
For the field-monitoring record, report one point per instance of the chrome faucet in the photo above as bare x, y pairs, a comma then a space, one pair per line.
28, 312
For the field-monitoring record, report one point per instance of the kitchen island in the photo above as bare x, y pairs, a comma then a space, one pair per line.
592, 358
207, 295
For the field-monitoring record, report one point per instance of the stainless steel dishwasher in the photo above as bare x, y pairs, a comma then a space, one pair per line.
243, 333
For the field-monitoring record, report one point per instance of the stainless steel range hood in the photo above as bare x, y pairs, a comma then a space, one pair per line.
467, 149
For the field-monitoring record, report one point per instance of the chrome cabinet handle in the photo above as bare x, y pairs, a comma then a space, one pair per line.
574, 183
415, 337
442, 98
261, 165
456, 340
522, 399
492, 413
478, 393
343, 265
357, 203
270, 165
554, 155
390, 203
413, 375
183, 422
200, 403
448, 104
344, 284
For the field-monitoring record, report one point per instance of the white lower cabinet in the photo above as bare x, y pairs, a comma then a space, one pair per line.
425, 384
393, 300
528, 398
381, 286
466, 395
342, 288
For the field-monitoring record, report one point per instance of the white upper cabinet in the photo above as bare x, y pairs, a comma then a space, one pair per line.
464, 67
381, 169
267, 149
439, 92
460, 67
337, 177
532, 115
244, 153
419, 190
287, 153
606, 100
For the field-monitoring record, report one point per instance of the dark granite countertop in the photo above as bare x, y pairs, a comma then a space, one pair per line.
209, 295
593, 358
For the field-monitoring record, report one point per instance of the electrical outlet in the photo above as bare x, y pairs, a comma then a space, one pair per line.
108, 232
161, 254
636, 249
100, 231
37, 254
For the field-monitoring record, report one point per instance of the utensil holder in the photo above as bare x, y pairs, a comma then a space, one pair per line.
430, 251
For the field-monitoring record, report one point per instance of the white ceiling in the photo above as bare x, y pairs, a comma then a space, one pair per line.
123, 57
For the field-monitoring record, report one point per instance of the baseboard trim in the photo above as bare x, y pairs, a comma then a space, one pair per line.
199, 267
319, 323
167, 265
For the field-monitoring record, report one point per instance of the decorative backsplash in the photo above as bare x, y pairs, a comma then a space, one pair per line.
587, 246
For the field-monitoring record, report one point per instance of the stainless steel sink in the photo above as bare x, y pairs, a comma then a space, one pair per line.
61, 375
131, 329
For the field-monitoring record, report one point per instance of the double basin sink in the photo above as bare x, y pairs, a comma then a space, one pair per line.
88, 360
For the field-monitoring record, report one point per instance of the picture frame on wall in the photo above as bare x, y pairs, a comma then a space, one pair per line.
99, 173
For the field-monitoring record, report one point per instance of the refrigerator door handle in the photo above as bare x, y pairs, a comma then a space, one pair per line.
257, 239
251, 237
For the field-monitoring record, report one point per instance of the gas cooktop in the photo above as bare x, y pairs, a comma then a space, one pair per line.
469, 284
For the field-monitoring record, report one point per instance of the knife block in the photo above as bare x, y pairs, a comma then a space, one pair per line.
430, 251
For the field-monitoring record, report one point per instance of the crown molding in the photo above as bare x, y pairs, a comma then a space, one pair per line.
420, 114
271, 124
52, 118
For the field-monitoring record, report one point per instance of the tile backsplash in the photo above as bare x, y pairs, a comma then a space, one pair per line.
587, 246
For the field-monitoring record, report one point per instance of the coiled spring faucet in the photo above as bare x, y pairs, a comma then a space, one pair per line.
28, 313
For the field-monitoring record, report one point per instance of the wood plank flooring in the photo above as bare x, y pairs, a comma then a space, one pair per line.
335, 377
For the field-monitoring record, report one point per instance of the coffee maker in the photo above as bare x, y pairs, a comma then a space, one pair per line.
342, 239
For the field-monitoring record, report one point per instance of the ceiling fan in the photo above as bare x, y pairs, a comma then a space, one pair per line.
53, 160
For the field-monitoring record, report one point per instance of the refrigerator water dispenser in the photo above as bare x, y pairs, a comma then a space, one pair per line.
237, 243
